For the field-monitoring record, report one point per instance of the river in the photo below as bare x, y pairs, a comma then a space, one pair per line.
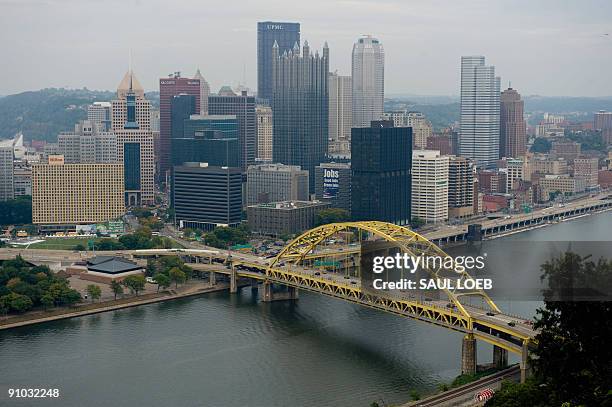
230, 350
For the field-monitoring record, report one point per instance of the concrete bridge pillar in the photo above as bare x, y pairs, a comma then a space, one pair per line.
524, 365
468, 354
269, 295
500, 357
212, 278
233, 281
254, 284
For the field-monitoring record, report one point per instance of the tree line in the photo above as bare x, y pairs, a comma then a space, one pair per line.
23, 286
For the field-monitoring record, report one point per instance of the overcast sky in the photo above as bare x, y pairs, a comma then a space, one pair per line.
545, 47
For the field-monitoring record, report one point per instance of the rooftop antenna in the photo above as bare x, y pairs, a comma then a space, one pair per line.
130, 60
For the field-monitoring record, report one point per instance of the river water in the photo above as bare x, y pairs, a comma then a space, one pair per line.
230, 350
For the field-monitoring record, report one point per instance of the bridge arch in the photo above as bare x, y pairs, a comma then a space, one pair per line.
405, 239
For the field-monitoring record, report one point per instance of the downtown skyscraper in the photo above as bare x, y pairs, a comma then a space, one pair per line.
512, 127
243, 108
368, 73
168, 88
479, 135
285, 35
340, 113
300, 107
131, 124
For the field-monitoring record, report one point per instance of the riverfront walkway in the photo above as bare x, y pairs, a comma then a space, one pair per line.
38, 317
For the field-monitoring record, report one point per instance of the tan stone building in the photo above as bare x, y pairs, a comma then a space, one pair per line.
587, 168
264, 132
562, 184
429, 186
131, 123
71, 194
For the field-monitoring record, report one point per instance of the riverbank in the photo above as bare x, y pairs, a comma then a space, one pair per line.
37, 317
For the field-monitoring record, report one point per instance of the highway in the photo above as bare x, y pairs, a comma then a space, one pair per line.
465, 395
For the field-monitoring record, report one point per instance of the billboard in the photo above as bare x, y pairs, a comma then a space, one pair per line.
331, 183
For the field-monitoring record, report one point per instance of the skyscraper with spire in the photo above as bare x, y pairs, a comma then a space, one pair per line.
131, 123
368, 73
300, 107
269, 32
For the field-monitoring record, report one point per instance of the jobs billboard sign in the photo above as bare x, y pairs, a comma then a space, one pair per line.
331, 183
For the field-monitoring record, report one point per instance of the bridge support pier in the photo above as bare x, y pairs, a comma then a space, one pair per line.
468, 354
500, 357
233, 281
524, 363
269, 295
212, 278
254, 284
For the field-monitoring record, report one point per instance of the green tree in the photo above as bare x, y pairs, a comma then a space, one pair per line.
94, 291
332, 215
416, 222
46, 301
80, 248
177, 276
135, 283
162, 281
17, 211
541, 145
116, 288
17, 302
573, 358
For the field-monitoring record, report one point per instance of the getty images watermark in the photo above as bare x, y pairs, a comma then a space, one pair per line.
400, 271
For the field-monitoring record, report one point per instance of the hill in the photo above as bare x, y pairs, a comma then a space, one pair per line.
42, 114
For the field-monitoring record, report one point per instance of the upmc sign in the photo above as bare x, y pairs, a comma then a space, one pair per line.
331, 183
274, 26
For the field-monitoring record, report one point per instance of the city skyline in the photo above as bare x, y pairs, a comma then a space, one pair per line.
516, 36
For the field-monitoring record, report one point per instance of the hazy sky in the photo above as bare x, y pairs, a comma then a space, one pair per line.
546, 47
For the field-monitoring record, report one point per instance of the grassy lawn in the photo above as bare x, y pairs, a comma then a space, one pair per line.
66, 243
69, 243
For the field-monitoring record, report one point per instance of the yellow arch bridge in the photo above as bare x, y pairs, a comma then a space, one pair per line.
472, 313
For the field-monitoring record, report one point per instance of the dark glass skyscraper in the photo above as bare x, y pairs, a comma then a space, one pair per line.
131, 169
183, 106
285, 35
204, 197
168, 88
210, 139
381, 160
243, 107
300, 107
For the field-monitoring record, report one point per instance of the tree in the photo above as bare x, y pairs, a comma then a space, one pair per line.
573, 359
162, 281
177, 276
541, 145
17, 211
80, 248
416, 222
135, 283
332, 215
116, 288
94, 291
46, 300
17, 302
